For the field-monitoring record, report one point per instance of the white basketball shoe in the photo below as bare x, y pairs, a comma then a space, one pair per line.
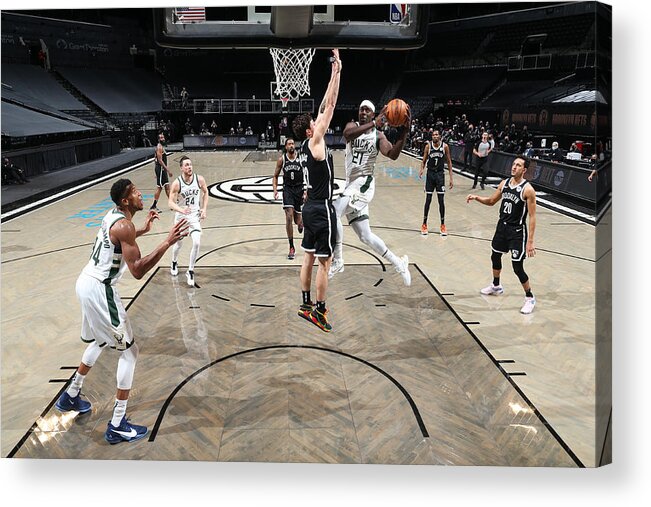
529, 303
492, 290
337, 266
403, 269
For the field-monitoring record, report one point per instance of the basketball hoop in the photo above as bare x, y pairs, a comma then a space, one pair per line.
292, 68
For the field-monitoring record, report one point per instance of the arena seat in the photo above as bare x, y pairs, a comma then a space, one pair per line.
19, 121
20, 99
516, 92
117, 91
35, 82
468, 83
561, 33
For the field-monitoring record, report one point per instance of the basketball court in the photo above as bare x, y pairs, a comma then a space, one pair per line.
434, 373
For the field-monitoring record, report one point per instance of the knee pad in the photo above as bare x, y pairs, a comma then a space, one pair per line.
91, 354
496, 259
126, 367
518, 269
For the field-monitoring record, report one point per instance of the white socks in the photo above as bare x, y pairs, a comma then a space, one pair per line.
119, 411
75, 385
393, 259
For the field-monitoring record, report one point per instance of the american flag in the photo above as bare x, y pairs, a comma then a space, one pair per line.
190, 14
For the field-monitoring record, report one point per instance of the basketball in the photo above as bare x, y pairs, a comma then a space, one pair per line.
397, 112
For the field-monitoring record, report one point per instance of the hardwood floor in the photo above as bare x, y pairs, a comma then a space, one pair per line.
434, 373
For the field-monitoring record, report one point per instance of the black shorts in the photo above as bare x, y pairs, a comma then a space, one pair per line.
293, 198
162, 178
482, 163
435, 181
511, 238
320, 228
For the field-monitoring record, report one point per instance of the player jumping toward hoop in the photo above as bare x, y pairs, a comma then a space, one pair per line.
363, 143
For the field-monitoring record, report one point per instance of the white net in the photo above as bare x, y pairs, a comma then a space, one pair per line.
292, 68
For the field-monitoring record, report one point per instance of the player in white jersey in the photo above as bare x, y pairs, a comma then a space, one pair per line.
189, 198
104, 319
363, 143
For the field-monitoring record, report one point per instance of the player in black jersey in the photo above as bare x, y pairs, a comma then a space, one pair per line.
319, 218
518, 200
436, 152
163, 174
293, 191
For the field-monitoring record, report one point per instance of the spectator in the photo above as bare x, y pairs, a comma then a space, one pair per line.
529, 152
468, 145
270, 131
170, 129
213, 128
506, 145
12, 174
232, 131
145, 140
188, 126
249, 131
42, 59
504, 133
131, 133
240, 129
525, 137
556, 154
184, 98
282, 128
593, 173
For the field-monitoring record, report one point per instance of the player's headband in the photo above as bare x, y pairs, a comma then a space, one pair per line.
368, 104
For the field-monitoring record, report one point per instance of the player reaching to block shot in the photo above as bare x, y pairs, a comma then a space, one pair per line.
319, 218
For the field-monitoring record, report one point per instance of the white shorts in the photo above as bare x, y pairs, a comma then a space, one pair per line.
194, 219
103, 317
360, 193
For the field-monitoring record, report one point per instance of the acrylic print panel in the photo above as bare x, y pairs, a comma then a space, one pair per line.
429, 372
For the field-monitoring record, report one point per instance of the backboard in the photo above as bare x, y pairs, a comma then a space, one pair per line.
377, 26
